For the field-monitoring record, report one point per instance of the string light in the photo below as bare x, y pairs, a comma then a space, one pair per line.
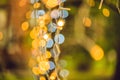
49, 19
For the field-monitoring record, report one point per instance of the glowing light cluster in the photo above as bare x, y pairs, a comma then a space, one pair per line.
46, 37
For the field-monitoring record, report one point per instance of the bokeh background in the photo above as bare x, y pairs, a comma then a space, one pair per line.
91, 50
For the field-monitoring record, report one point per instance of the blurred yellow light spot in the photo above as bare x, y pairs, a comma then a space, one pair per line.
25, 26
36, 5
1, 35
106, 12
91, 3
36, 70
97, 52
51, 3
32, 63
42, 78
42, 43
60, 22
87, 22
28, 15
35, 43
53, 75
48, 54
44, 65
46, 36
34, 32
22, 3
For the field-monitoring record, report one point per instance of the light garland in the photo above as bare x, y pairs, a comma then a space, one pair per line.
49, 16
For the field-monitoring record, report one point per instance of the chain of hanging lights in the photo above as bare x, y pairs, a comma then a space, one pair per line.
49, 19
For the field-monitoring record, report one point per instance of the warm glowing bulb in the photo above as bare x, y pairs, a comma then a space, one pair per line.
61, 23
97, 52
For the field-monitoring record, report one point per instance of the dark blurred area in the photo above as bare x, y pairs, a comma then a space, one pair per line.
91, 50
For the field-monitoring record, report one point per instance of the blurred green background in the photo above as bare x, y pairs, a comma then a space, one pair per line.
88, 30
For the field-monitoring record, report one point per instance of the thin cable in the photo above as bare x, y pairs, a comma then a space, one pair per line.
101, 3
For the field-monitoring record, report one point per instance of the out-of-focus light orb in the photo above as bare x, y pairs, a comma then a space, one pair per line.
51, 3
97, 52
106, 12
64, 13
32, 34
44, 65
35, 43
42, 43
61, 23
52, 65
36, 70
59, 38
42, 78
22, 3
25, 26
49, 43
28, 14
91, 3
55, 14
64, 73
1, 35
52, 27
87, 22
48, 54
32, 63
33, 1
46, 36
53, 75
36, 5
41, 12
62, 63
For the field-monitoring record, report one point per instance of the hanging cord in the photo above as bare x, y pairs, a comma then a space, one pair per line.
118, 6
101, 3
